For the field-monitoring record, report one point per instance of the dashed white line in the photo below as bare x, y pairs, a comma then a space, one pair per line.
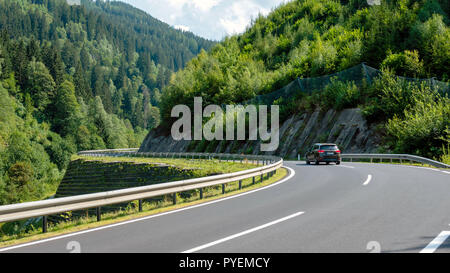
369, 178
195, 249
345, 166
434, 245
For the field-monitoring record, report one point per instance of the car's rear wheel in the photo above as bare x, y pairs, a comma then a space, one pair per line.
317, 162
307, 162
338, 162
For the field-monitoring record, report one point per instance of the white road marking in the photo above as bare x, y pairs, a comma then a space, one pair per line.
426, 168
434, 245
446, 172
242, 233
369, 178
431, 169
292, 173
345, 166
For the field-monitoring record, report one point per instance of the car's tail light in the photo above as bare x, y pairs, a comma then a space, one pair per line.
338, 151
321, 151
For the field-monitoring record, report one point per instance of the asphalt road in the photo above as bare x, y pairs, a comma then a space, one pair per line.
354, 207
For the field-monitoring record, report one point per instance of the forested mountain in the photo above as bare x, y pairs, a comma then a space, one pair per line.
77, 77
311, 38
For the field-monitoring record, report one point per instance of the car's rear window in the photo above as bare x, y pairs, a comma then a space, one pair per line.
329, 147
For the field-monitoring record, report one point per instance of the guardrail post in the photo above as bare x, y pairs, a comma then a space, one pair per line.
174, 198
253, 180
223, 188
371, 160
44, 224
99, 214
201, 193
240, 184
140, 205
262, 177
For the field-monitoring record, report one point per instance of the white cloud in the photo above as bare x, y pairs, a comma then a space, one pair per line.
202, 5
237, 17
212, 19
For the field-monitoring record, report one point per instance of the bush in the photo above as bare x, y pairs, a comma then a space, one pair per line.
340, 95
20, 173
424, 127
60, 150
394, 95
406, 63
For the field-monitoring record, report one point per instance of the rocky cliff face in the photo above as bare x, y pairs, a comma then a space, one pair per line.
347, 128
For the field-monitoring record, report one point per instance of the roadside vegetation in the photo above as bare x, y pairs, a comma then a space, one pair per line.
312, 38
199, 167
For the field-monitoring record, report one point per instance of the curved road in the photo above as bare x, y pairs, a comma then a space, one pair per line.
353, 207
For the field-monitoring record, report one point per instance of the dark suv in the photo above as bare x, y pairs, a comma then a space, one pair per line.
324, 152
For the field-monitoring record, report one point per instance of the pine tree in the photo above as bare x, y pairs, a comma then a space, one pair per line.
82, 88
20, 63
57, 68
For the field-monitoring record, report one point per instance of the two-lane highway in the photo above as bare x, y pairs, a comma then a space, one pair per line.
327, 208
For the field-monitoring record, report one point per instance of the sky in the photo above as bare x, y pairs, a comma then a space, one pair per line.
211, 19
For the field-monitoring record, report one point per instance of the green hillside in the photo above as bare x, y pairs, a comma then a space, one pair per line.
310, 38
78, 77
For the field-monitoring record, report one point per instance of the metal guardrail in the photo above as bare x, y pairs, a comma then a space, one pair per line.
44, 208
399, 157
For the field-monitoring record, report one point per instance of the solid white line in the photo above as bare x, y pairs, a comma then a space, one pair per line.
242, 233
446, 172
345, 166
368, 180
433, 245
292, 173
423, 168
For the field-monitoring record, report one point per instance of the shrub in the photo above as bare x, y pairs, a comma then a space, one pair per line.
406, 63
394, 95
340, 95
424, 127
20, 173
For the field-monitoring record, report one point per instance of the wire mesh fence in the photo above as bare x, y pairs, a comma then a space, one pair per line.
359, 75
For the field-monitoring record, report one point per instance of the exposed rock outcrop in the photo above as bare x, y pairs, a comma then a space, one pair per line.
347, 128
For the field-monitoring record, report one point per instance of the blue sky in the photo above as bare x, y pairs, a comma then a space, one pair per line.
212, 19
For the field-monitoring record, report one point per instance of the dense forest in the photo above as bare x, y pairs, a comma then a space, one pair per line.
311, 38
78, 77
